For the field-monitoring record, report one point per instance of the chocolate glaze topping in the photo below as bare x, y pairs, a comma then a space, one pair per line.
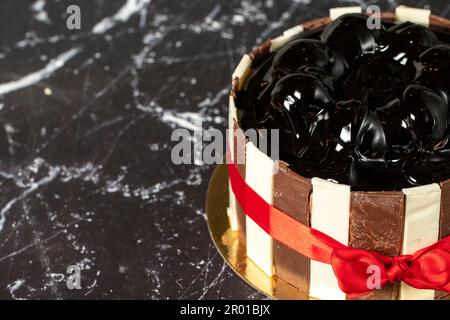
368, 108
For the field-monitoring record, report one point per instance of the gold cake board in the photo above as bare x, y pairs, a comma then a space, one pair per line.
230, 246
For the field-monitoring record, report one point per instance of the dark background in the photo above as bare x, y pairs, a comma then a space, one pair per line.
86, 176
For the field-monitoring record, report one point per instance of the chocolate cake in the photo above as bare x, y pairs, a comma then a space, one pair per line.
364, 141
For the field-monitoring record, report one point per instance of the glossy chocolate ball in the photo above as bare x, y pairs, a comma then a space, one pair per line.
299, 99
304, 53
384, 139
427, 115
374, 81
300, 95
417, 169
332, 132
350, 37
405, 42
434, 68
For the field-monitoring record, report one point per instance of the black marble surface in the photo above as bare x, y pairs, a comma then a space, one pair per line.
86, 116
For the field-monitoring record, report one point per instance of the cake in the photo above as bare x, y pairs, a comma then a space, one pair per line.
364, 143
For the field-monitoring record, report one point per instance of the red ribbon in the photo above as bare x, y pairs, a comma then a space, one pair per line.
428, 268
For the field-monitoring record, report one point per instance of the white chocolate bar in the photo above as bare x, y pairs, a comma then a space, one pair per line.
330, 209
422, 213
419, 16
243, 69
278, 42
259, 176
337, 12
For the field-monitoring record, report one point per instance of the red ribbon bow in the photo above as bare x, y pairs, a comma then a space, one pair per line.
428, 268
358, 271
